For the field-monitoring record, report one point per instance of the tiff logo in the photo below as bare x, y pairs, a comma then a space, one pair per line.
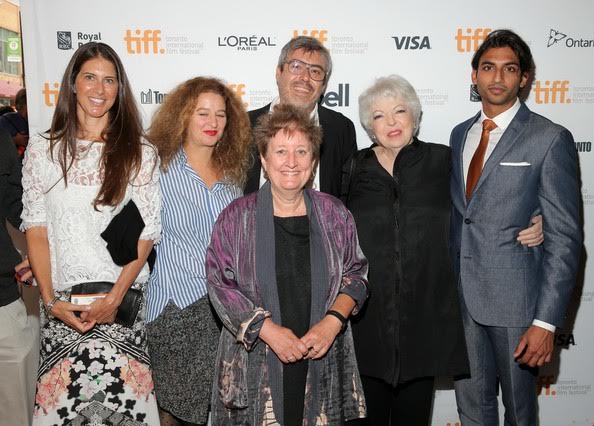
470, 41
321, 35
239, 90
143, 42
551, 92
50, 95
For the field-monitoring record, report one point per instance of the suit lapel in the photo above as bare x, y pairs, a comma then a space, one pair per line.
327, 129
507, 142
460, 158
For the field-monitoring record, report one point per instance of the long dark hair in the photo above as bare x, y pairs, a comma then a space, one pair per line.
122, 153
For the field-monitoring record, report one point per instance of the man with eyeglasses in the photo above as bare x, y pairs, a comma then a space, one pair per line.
302, 74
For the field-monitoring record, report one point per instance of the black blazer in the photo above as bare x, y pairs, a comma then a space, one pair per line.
10, 209
338, 145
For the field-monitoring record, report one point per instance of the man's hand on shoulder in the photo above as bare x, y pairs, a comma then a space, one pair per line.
535, 347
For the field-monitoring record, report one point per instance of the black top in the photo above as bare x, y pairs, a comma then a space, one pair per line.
10, 208
411, 325
293, 278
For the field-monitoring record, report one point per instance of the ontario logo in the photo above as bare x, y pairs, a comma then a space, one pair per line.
557, 37
246, 43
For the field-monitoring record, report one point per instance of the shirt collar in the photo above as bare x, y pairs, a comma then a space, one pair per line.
503, 119
180, 162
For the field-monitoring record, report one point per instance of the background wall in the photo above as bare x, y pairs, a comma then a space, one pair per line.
430, 43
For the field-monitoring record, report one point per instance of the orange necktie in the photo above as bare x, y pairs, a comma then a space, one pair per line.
476, 164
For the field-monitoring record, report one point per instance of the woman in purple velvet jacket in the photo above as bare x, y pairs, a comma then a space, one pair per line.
285, 271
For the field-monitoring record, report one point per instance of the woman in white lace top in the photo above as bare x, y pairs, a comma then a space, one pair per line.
77, 177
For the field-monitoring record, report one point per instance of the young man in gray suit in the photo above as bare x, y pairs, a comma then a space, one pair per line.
508, 164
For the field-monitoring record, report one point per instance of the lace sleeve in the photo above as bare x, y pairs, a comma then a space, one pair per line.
35, 167
147, 194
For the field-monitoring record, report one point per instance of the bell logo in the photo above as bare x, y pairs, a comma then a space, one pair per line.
470, 41
50, 95
143, 42
340, 98
551, 92
321, 35
239, 90
544, 386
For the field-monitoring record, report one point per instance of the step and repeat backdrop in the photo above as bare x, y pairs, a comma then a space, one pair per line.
430, 43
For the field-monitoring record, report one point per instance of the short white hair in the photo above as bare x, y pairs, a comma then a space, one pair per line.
392, 86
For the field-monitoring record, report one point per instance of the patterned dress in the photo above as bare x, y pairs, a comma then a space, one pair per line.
102, 377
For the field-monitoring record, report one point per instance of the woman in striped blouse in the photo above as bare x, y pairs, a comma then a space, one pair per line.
203, 136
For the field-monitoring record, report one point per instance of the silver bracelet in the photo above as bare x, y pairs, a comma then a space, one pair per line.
50, 305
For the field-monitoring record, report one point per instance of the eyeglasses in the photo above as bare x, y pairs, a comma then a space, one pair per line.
316, 72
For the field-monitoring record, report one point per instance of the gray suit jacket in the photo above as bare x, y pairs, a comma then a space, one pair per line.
504, 283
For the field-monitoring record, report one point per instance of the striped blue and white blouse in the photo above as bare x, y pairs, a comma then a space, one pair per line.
188, 214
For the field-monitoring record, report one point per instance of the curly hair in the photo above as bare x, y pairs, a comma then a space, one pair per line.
122, 154
169, 128
289, 119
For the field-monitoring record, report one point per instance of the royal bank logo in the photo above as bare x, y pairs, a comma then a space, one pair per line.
558, 38
64, 39
66, 42
411, 42
246, 43
151, 96
469, 40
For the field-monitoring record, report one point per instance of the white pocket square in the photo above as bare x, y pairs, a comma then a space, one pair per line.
511, 164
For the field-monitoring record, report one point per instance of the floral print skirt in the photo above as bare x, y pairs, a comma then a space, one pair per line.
100, 378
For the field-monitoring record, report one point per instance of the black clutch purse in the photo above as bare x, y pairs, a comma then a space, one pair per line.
129, 307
